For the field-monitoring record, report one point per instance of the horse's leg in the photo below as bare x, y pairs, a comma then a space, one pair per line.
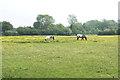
53, 37
85, 38
82, 38
77, 38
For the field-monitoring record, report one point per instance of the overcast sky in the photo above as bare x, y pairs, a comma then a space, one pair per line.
24, 12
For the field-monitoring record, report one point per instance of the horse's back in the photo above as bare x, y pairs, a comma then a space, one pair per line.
79, 35
47, 37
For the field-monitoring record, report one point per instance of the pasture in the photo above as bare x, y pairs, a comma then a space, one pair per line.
65, 57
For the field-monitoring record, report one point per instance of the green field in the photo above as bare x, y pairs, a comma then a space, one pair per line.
65, 57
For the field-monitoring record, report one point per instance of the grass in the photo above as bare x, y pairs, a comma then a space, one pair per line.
66, 57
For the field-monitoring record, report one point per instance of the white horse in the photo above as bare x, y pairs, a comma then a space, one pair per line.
49, 37
81, 36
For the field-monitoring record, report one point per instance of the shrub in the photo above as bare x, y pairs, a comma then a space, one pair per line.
10, 33
107, 32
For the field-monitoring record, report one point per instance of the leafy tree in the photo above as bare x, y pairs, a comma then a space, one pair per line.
10, 33
91, 27
37, 25
72, 20
56, 29
77, 28
95, 26
27, 31
118, 31
105, 24
107, 32
60, 29
6, 26
43, 21
68, 31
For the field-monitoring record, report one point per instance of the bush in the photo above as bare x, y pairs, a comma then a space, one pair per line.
118, 31
107, 32
10, 33
28, 31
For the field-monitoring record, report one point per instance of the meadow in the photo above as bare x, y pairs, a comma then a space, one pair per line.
65, 57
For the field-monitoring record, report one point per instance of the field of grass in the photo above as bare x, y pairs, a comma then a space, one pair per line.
65, 57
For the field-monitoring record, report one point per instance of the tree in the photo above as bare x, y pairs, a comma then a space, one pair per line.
57, 29
27, 31
107, 32
43, 21
91, 27
105, 24
118, 31
68, 31
37, 25
72, 20
95, 26
77, 28
6, 26
10, 33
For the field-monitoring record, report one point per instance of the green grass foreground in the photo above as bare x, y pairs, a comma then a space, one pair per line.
65, 57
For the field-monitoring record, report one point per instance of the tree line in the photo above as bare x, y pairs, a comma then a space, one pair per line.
44, 25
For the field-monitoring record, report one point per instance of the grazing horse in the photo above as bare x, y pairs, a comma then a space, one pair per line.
81, 36
49, 37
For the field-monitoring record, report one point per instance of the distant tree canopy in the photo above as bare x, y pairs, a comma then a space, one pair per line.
6, 26
72, 20
57, 29
28, 30
44, 25
99, 27
77, 28
107, 32
43, 21
118, 31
